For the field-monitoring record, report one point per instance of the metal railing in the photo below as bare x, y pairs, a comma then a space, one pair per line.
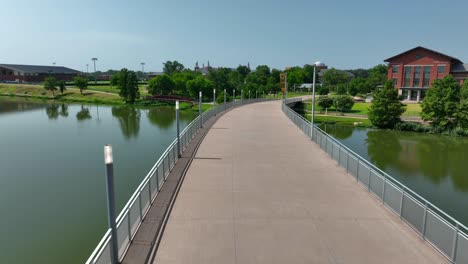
442, 231
133, 213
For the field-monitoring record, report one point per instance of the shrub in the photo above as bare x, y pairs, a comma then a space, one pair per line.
220, 98
323, 90
324, 102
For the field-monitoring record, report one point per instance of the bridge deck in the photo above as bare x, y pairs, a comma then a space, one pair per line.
260, 191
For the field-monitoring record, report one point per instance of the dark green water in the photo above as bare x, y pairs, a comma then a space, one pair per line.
52, 186
434, 166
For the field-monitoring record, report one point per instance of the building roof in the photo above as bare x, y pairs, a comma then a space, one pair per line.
40, 69
459, 67
455, 60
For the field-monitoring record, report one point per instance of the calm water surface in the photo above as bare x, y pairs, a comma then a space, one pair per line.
52, 185
434, 166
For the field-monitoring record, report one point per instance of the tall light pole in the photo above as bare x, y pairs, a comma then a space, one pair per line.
143, 69
95, 76
319, 65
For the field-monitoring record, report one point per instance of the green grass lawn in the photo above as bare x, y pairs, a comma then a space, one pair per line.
340, 120
361, 108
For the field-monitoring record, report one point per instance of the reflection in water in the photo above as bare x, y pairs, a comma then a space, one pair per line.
129, 119
83, 114
383, 149
64, 110
52, 111
8, 105
162, 117
339, 132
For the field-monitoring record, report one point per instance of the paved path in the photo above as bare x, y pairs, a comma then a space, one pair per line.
260, 191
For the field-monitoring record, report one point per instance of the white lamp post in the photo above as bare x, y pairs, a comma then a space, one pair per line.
319, 65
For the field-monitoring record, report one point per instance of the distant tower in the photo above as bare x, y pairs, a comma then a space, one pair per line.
208, 64
196, 66
248, 65
203, 66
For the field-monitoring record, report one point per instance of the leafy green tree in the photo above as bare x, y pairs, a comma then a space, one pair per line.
114, 80
295, 76
62, 86
386, 107
462, 113
50, 84
220, 98
220, 78
377, 76
127, 83
243, 70
180, 80
441, 103
323, 90
343, 103
340, 89
325, 102
333, 77
171, 67
161, 84
81, 83
202, 84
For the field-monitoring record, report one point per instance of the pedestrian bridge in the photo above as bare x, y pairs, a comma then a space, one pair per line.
252, 187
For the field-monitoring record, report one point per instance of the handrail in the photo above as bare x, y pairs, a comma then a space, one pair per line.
169, 157
460, 230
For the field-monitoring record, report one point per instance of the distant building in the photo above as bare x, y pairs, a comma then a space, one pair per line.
33, 73
203, 70
154, 74
412, 72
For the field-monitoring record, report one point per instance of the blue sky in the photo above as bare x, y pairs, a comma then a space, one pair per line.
343, 34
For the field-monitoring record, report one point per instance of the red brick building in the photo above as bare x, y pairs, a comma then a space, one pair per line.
413, 71
34, 74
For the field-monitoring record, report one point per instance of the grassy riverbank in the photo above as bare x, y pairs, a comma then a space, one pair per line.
340, 120
361, 108
93, 95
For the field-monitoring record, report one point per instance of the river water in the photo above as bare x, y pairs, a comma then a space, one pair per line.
52, 182
434, 166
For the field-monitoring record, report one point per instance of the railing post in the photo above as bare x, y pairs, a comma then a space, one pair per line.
424, 222
401, 202
383, 189
455, 244
200, 113
369, 180
225, 100
178, 130
108, 160
214, 101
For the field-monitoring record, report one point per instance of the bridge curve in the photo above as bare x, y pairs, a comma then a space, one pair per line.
259, 191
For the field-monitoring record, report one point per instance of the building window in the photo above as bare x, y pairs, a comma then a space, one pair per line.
395, 81
441, 69
395, 69
3, 72
417, 76
407, 76
427, 76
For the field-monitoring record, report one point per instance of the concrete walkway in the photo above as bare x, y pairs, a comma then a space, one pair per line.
260, 191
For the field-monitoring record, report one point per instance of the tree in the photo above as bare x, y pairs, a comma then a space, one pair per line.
81, 83
462, 113
114, 80
243, 70
340, 89
127, 83
441, 103
324, 102
161, 84
323, 90
386, 107
343, 103
202, 84
220, 98
62, 86
333, 77
50, 84
171, 67
180, 80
